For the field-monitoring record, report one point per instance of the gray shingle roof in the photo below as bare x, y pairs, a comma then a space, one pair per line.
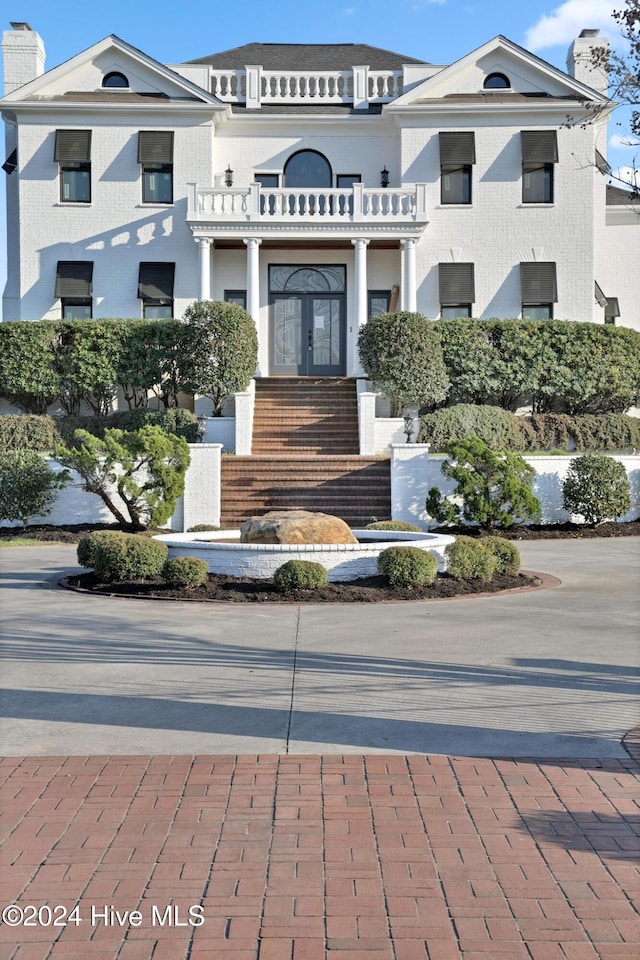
617, 197
307, 56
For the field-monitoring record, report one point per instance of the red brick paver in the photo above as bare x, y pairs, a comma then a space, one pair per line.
306, 858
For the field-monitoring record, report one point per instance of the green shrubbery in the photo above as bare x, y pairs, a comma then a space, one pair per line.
126, 557
498, 428
506, 554
401, 353
398, 525
469, 559
89, 545
185, 572
407, 566
28, 486
495, 488
596, 487
300, 575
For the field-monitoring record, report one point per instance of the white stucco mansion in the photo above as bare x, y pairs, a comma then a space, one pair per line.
316, 185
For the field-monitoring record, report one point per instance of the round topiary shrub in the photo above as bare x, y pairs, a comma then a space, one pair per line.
399, 525
597, 487
185, 572
128, 557
506, 553
300, 575
88, 546
469, 559
407, 566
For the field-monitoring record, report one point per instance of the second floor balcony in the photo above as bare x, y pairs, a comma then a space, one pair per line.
309, 207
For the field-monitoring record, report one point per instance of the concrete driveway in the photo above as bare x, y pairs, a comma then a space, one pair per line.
550, 673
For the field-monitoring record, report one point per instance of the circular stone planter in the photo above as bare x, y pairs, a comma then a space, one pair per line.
343, 561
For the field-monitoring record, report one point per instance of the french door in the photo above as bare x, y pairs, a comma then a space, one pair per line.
307, 328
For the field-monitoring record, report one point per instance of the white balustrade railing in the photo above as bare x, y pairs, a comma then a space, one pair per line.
270, 204
305, 86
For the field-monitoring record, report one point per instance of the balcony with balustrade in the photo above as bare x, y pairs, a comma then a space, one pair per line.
258, 210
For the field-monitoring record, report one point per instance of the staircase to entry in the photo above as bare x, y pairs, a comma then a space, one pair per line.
305, 456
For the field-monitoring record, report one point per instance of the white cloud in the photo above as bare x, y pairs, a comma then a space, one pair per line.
616, 142
349, 11
622, 175
565, 23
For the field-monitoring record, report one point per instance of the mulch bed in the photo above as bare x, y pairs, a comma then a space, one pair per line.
242, 590
72, 533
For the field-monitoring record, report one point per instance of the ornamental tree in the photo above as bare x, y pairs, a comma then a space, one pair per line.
597, 487
223, 350
28, 486
495, 488
145, 467
402, 354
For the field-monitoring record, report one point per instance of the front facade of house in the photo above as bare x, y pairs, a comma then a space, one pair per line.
316, 185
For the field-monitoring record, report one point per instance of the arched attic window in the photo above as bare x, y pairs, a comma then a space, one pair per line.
115, 80
307, 168
497, 81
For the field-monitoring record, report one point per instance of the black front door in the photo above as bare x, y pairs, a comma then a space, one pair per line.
307, 335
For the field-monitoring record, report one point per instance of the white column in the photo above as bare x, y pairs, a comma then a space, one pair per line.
361, 280
253, 277
204, 250
410, 302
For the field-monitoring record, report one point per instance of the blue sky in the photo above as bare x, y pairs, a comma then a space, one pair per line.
439, 31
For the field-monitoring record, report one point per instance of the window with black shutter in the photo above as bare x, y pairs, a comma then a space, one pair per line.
539, 154
155, 289
457, 156
457, 289
539, 290
74, 288
155, 155
73, 155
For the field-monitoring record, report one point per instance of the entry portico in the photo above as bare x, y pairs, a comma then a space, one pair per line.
308, 319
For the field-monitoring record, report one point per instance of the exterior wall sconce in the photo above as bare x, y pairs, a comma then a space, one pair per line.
228, 177
384, 177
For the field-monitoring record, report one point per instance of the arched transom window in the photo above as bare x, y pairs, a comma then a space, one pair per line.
308, 168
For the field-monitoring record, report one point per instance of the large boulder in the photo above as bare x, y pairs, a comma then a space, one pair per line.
295, 526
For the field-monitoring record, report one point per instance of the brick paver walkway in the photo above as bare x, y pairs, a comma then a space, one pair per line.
303, 857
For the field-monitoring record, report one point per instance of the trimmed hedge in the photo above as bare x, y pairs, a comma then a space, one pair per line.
175, 420
407, 566
469, 559
597, 487
89, 546
185, 572
128, 557
502, 430
28, 431
399, 525
300, 575
506, 553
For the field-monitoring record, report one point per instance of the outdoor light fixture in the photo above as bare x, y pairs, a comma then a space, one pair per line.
384, 177
410, 417
202, 428
228, 177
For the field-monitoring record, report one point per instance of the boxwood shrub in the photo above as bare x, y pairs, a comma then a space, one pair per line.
89, 545
506, 554
27, 431
185, 572
399, 525
499, 429
128, 557
469, 559
300, 575
407, 566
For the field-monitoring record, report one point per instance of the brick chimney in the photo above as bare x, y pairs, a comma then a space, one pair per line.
580, 64
23, 56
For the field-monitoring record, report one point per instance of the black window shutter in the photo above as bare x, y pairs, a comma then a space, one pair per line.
539, 282
599, 295
11, 162
155, 146
456, 283
155, 281
612, 308
539, 146
74, 278
457, 148
73, 146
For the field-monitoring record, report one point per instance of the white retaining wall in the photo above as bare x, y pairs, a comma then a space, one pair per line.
414, 472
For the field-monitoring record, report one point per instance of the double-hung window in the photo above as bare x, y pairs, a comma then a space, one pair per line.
539, 154
457, 289
74, 288
457, 156
539, 290
73, 156
155, 289
155, 156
